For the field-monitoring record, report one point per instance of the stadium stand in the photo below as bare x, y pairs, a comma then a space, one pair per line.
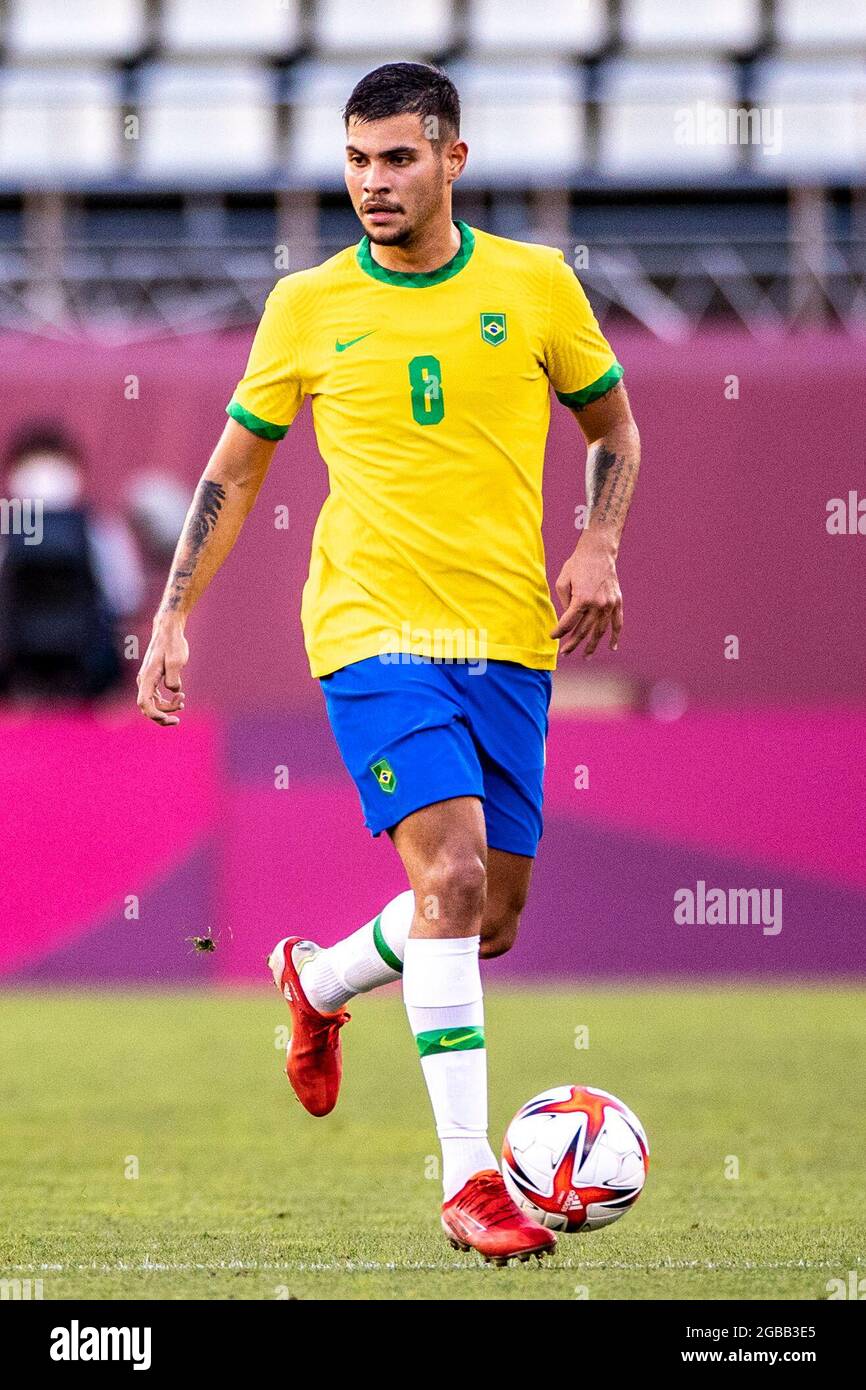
75, 29
205, 134
58, 123
371, 26
210, 28
831, 26
730, 26
206, 121
823, 105
639, 127
559, 28
524, 120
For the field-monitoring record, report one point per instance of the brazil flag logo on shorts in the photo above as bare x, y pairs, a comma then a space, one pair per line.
493, 329
384, 775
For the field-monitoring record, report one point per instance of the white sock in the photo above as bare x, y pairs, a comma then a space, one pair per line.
443, 998
367, 958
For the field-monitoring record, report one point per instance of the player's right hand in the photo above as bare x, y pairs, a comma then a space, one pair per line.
163, 663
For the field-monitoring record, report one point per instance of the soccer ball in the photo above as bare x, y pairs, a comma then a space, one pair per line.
575, 1158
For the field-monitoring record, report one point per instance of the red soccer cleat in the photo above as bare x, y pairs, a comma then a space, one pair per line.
482, 1217
314, 1061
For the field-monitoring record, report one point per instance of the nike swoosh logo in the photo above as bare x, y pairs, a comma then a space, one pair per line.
452, 1042
341, 347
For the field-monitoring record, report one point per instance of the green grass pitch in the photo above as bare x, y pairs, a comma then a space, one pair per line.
240, 1194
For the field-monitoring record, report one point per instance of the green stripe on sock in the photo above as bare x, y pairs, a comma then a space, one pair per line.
449, 1040
384, 949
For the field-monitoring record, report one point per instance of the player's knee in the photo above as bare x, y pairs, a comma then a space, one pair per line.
455, 886
498, 934
502, 919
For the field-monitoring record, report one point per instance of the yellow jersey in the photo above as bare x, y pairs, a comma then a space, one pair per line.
431, 405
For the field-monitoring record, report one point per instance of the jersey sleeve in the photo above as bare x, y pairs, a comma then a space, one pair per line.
578, 358
270, 392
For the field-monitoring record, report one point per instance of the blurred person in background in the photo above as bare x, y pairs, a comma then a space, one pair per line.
64, 587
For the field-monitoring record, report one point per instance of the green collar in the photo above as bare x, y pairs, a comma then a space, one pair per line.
417, 280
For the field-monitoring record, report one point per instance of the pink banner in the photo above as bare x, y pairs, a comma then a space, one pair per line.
122, 841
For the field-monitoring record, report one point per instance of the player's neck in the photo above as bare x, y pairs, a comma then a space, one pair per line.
434, 247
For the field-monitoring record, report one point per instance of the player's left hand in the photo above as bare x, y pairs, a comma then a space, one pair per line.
588, 589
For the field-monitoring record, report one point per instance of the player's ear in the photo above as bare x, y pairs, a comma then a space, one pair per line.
457, 156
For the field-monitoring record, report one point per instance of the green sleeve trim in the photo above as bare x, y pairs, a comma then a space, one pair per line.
391, 960
449, 1040
263, 428
577, 399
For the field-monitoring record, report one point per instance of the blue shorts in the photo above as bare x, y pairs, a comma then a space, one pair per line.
413, 731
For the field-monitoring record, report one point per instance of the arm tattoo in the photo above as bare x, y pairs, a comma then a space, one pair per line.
211, 498
207, 503
611, 475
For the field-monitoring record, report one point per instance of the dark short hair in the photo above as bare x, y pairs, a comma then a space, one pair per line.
395, 88
41, 437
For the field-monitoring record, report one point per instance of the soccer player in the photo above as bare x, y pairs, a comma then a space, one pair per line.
428, 350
